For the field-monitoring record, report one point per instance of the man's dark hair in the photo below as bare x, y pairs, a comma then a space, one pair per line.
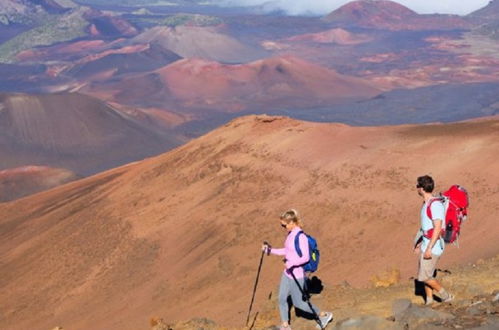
426, 182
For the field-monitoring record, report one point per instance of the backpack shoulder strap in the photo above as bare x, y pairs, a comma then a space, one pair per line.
428, 207
297, 243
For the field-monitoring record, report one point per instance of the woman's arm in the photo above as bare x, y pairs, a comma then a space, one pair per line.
278, 252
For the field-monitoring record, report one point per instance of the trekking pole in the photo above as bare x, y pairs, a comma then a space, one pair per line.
306, 297
256, 283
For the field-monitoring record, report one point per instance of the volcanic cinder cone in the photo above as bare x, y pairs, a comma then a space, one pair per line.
179, 235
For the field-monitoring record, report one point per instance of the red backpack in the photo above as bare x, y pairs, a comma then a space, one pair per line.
456, 203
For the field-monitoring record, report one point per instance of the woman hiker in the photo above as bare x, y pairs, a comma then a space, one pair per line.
293, 263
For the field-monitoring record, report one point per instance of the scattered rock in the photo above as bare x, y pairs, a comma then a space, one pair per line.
345, 284
474, 290
386, 279
492, 323
399, 306
463, 303
415, 316
267, 118
367, 322
475, 309
158, 324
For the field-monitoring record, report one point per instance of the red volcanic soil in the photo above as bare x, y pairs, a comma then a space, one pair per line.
104, 24
66, 51
201, 42
27, 180
280, 82
158, 117
133, 58
73, 131
390, 15
334, 36
177, 234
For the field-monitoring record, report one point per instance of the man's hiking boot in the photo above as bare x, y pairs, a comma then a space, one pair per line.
328, 316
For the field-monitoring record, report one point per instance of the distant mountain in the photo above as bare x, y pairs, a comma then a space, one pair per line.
202, 42
19, 182
108, 25
76, 23
389, 15
487, 13
368, 11
68, 51
18, 16
141, 3
194, 84
121, 61
486, 20
51, 6
72, 131
25, 12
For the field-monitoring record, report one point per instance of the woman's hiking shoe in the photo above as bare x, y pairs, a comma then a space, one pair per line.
328, 316
285, 327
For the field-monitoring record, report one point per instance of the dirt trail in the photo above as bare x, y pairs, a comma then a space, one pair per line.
475, 285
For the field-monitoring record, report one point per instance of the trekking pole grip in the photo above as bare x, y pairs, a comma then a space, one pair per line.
269, 247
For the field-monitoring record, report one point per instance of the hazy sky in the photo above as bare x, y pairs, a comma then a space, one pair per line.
321, 7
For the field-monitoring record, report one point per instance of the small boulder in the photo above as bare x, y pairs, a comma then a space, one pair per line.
492, 323
399, 306
367, 322
415, 315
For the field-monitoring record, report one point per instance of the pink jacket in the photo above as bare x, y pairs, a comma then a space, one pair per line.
290, 254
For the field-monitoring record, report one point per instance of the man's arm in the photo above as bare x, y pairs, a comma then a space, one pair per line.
437, 228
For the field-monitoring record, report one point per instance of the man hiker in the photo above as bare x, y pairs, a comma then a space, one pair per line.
294, 273
430, 244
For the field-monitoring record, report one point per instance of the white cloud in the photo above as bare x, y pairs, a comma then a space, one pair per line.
322, 7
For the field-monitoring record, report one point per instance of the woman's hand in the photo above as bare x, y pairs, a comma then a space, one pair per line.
266, 248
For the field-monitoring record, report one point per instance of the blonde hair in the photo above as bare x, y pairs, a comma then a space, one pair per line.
291, 215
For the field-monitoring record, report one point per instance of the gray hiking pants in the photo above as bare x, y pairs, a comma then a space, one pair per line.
288, 288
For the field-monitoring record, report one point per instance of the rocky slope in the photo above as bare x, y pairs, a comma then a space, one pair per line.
394, 305
184, 229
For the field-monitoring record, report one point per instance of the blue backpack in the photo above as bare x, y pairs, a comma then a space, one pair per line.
312, 265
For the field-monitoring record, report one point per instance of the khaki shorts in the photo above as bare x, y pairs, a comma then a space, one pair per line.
427, 267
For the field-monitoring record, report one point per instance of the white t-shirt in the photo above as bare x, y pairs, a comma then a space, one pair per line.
438, 213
